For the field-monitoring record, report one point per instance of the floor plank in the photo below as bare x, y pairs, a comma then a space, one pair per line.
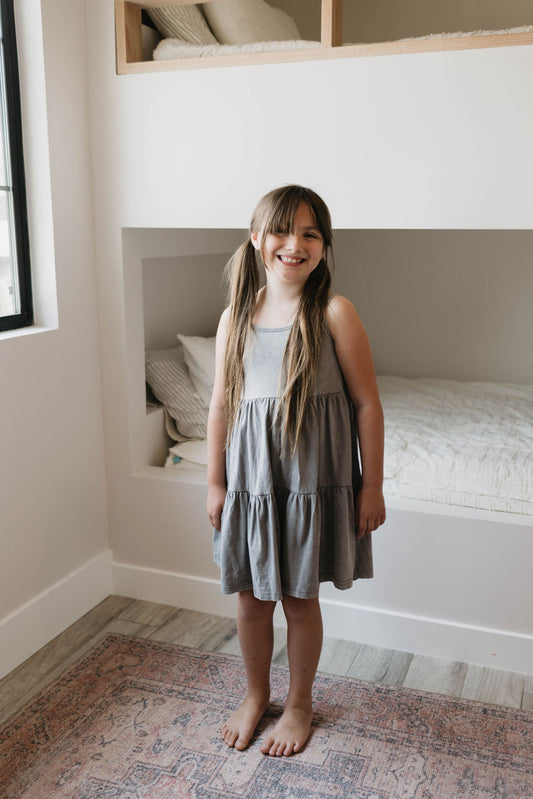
225, 630
380, 665
527, 701
186, 628
435, 675
493, 686
232, 646
337, 655
151, 613
527, 697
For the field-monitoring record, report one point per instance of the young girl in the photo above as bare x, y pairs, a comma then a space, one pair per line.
295, 398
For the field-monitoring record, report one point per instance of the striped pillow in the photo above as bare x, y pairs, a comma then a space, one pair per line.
169, 378
199, 353
182, 22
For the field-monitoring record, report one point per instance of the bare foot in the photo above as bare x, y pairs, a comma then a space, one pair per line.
290, 733
239, 728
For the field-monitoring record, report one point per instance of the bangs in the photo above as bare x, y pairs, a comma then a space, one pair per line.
276, 212
281, 216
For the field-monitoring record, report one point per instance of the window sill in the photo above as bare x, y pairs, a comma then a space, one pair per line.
25, 331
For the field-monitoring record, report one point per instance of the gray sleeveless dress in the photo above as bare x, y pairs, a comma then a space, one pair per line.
288, 523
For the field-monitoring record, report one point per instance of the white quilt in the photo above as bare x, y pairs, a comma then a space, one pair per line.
169, 49
468, 444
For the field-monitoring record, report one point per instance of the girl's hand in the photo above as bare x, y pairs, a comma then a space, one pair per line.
370, 509
216, 496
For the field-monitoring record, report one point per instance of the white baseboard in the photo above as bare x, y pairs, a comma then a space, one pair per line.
171, 588
437, 638
33, 625
43, 618
449, 640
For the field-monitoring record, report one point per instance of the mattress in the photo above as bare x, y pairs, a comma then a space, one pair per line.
459, 443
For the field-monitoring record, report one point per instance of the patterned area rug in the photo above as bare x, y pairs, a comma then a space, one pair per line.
138, 719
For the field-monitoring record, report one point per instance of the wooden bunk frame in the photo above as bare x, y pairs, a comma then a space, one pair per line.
129, 42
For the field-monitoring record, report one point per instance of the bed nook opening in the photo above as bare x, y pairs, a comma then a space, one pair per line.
448, 317
172, 286
183, 34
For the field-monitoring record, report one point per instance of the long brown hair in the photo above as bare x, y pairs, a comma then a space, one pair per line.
275, 214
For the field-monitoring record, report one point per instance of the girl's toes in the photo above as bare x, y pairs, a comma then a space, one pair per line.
278, 750
229, 737
266, 746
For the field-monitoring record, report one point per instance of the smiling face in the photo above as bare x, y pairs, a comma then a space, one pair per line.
293, 254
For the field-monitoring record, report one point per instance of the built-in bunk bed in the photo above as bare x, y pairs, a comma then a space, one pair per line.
458, 461
233, 32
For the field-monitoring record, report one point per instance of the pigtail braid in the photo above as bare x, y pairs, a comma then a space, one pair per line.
242, 275
302, 354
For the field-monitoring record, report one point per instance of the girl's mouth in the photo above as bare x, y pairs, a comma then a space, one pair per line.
286, 259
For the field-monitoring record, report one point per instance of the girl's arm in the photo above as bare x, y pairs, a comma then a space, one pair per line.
355, 358
216, 433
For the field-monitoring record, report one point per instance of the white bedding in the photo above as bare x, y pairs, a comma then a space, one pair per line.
169, 49
188, 455
459, 443
468, 444
461, 34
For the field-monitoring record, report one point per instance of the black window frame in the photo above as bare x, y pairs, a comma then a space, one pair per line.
18, 183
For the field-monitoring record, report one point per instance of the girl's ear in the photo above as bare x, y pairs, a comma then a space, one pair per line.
255, 240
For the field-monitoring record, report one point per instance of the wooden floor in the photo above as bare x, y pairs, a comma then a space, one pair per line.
216, 633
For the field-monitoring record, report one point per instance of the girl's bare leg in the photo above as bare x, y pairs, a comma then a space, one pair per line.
256, 637
304, 644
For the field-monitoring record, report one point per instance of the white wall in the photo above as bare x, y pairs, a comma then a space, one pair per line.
53, 511
453, 304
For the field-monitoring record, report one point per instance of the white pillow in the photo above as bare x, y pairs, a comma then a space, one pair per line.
192, 451
242, 21
182, 22
168, 377
200, 358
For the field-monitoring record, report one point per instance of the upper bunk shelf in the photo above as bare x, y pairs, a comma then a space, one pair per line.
129, 48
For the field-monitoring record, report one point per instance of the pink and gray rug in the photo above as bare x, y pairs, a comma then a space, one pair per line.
138, 719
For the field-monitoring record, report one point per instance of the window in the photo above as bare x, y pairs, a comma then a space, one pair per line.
15, 286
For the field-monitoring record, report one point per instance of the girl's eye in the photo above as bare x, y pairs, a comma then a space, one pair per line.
311, 236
